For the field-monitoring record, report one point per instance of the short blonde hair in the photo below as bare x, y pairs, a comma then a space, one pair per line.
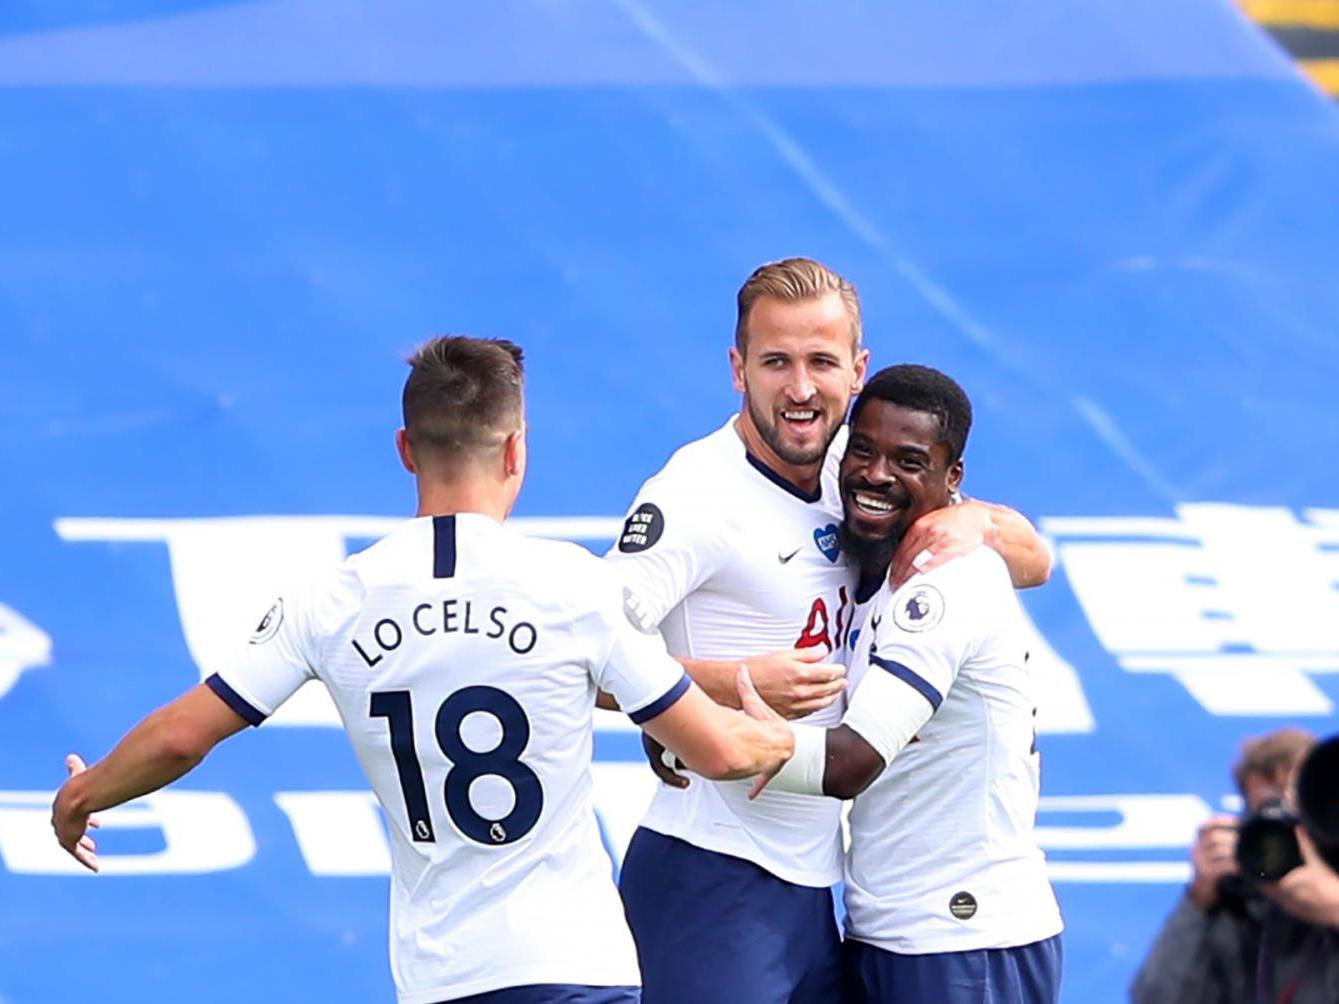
794, 280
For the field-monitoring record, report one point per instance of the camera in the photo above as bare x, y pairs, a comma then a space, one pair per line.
1267, 847
1318, 798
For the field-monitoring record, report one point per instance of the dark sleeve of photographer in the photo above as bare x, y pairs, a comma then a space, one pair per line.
1207, 949
1299, 960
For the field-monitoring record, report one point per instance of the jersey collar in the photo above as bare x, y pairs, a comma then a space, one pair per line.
784, 483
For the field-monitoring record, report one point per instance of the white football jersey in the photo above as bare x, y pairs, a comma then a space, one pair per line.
731, 560
464, 659
942, 855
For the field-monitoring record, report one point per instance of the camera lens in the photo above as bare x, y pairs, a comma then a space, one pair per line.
1267, 846
1318, 798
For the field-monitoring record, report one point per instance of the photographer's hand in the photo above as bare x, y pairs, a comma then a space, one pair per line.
1213, 856
1309, 892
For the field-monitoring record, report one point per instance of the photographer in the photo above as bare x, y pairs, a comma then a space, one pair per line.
1208, 950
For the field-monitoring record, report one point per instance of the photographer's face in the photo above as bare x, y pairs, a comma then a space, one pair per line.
1256, 789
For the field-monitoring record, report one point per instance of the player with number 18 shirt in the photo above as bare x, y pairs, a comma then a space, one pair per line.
464, 659
451, 637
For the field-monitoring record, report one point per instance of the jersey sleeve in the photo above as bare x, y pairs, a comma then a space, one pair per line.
643, 677
671, 543
280, 656
920, 638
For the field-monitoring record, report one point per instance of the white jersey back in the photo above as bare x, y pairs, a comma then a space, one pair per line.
942, 855
731, 560
464, 660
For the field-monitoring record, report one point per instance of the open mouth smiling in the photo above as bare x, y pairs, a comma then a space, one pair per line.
800, 417
874, 504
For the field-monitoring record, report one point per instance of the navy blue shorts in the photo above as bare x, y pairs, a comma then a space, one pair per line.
554, 993
1028, 974
715, 929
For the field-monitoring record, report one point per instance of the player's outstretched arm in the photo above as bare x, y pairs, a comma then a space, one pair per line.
720, 743
794, 682
156, 752
944, 534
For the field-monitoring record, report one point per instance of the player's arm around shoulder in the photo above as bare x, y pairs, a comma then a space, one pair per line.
943, 535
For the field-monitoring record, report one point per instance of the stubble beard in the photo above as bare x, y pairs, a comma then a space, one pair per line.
871, 555
771, 435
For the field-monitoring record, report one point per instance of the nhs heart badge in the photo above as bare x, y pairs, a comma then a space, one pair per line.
826, 539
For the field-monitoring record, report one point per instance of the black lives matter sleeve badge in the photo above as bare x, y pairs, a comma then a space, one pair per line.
642, 529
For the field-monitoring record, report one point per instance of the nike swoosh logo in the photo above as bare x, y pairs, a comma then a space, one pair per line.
783, 558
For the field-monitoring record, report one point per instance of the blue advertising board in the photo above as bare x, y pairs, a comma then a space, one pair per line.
223, 224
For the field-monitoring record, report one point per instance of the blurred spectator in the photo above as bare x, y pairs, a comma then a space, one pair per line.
1209, 949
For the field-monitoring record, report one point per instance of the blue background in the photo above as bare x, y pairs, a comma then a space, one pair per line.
223, 224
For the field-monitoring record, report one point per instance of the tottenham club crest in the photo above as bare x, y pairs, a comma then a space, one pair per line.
921, 610
269, 624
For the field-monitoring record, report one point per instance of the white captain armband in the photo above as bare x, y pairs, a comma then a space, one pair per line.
802, 774
887, 713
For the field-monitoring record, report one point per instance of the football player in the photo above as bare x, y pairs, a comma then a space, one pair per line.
464, 659
947, 896
733, 548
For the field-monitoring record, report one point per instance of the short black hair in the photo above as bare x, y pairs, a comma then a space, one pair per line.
920, 388
463, 395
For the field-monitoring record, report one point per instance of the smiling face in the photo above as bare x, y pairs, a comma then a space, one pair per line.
797, 371
896, 468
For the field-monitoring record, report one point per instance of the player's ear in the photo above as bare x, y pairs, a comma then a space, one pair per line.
861, 368
737, 369
955, 473
406, 451
514, 453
